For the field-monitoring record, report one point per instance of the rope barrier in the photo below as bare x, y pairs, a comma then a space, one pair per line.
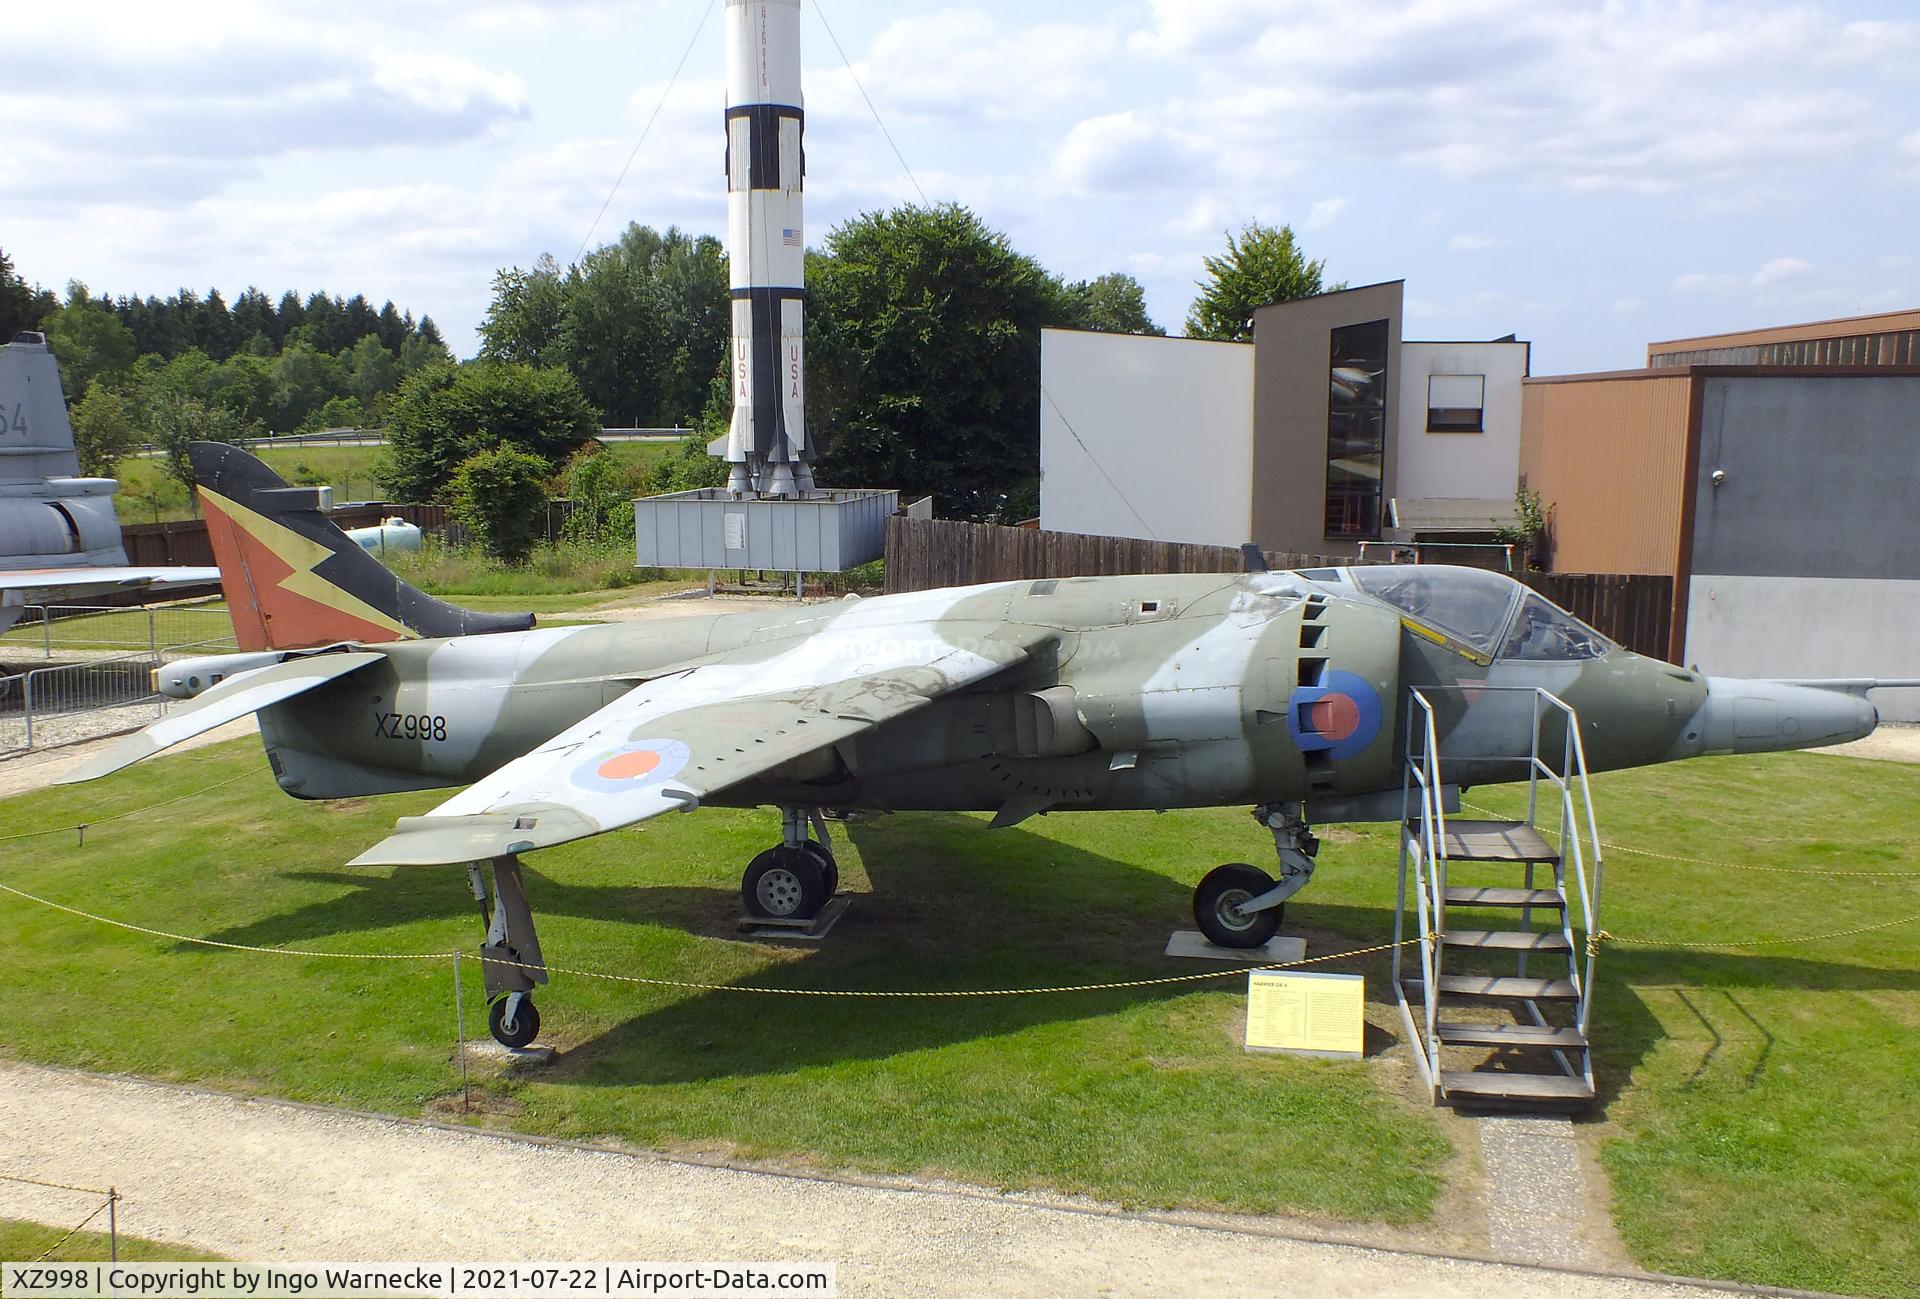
1603, 936
1728, 865
52, 1186
1594, 941
53, 1248
83, 826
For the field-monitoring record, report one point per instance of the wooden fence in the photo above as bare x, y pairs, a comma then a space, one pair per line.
1634, 609
924, 553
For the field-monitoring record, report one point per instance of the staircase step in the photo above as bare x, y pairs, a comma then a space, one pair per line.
1507, 986
1515, 841
1507, 940
1472, 895
1515, 1035
1496, 1086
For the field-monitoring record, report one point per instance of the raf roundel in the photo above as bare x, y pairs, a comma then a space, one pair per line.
640, 764
1339, 717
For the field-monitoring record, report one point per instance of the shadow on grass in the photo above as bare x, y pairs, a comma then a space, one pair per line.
957, 906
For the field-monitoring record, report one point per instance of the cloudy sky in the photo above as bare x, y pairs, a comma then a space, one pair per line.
1589, 175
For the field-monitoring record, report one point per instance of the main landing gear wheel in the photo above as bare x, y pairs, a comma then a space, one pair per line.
1217, 902
828, 866
786, 884
521, 1030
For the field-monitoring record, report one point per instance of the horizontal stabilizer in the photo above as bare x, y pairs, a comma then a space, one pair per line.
232, 699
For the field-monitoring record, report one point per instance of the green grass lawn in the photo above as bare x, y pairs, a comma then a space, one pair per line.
1759, 1118
22, 1242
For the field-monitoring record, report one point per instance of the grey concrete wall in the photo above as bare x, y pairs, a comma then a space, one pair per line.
1290, 411
1822, 478
1809, 627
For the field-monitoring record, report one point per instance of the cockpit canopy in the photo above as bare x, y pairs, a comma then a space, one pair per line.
1489, 612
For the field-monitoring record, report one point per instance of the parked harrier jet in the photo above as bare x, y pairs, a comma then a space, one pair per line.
1279, 690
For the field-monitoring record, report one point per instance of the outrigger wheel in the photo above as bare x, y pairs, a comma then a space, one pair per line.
785, 883
1218, 899
513, 1021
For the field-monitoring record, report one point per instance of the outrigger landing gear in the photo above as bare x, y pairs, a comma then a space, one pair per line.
1238, 905
797, 877
510, 962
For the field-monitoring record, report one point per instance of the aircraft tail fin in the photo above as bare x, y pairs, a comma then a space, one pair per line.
294, 580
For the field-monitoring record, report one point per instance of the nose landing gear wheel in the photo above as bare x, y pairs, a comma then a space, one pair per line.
784, 884
1217, 902
522, 1030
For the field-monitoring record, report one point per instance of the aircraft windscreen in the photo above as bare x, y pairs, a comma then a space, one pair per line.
1543, 631
1469, 604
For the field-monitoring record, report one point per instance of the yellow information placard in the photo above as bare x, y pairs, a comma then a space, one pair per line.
1321, 1013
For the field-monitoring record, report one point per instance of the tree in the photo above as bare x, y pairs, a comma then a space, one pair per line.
103, 430
640, 322
501, 496
1114, 303
445, 414
923, 345
600, 494
21, 307
174, 420
88, 340
523, 324
371, 371
1261, 266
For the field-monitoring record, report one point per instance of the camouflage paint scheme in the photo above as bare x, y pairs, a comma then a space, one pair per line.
1071, 694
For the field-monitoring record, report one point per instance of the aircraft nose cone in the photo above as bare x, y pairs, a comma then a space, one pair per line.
1763, 716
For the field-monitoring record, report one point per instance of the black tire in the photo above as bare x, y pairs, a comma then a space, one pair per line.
829, 868
784, 884
526, 1023
1224, 888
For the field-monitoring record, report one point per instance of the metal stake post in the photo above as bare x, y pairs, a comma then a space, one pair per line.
113, 1226
460, 1030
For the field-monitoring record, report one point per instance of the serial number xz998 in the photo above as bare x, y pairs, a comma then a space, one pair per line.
410, 726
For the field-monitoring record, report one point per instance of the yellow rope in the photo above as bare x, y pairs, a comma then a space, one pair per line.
52, 1186
50, 1250
214, 942
1728, 865
121, 816
1758, 942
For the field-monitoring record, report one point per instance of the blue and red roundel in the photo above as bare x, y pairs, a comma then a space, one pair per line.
1340, 717
633, 766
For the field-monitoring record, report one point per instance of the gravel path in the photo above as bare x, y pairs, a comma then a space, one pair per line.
265, 1180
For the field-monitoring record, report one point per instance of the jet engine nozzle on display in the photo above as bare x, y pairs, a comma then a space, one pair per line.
1764, 716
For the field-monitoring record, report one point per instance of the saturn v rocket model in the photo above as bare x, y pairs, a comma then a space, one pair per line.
767, 447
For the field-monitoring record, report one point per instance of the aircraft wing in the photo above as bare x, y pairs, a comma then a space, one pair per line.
234, 698
20, 587
670, 742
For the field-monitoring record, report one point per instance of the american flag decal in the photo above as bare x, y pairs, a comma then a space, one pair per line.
791, 238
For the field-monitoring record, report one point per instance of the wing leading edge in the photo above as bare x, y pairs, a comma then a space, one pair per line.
669, 743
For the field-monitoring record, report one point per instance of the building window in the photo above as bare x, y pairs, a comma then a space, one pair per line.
1356, 428
1456, 403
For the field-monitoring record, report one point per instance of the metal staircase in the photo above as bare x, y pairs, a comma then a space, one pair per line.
1500, 1016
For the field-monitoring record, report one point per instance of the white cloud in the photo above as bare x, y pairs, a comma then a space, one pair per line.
1324, 213
1472, 243
1649, 98
1628, 306
1779, 270
1126, 153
